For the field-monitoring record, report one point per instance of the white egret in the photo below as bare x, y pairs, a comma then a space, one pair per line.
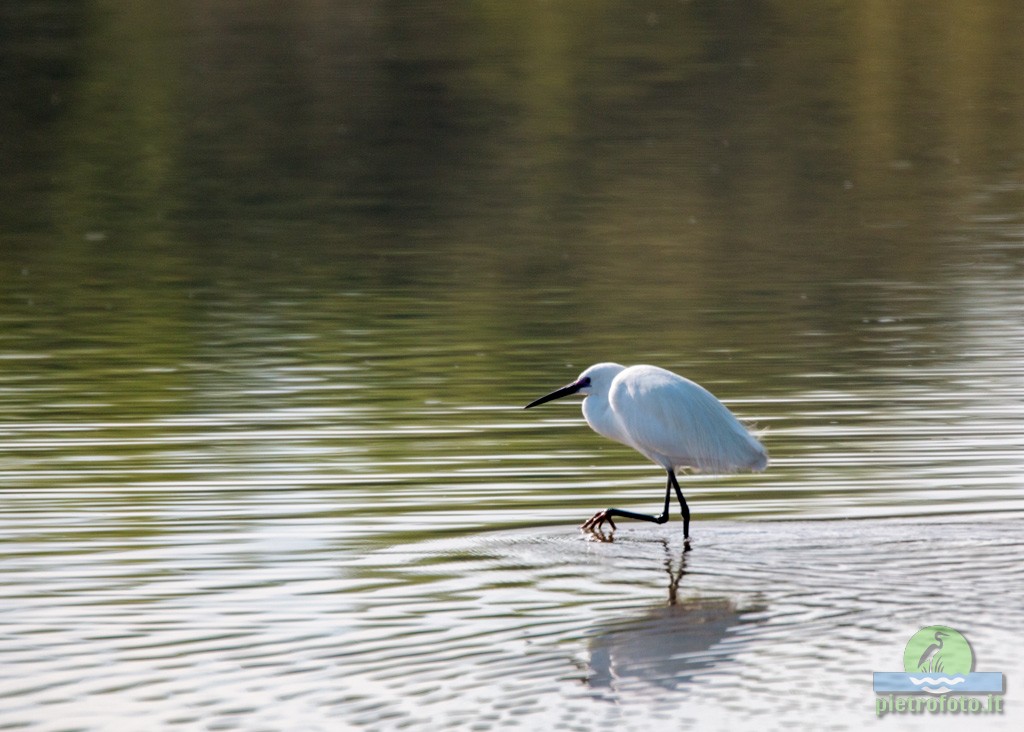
669, 419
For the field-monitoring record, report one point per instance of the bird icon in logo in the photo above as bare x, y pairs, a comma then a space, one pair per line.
931, 660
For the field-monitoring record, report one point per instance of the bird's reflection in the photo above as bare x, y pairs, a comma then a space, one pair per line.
668, 645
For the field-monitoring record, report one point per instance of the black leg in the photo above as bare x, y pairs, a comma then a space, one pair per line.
682, 504
608, 514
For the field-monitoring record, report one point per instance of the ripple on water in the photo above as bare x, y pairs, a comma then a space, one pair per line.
731, 625
537, 627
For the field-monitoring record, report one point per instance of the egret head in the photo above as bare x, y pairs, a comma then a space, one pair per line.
595, 380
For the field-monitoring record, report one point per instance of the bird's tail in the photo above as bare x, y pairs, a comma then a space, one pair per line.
760, 460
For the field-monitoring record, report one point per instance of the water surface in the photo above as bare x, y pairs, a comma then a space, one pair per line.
276, 283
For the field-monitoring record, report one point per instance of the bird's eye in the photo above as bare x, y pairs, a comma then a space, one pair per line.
585, 381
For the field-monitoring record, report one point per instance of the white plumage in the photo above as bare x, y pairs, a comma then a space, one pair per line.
671, 420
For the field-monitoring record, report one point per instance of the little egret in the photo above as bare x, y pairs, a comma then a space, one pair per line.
669, 419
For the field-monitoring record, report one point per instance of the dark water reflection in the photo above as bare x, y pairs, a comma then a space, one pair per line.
666, 646
276, 280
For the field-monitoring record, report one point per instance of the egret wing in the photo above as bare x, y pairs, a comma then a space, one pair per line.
678, 423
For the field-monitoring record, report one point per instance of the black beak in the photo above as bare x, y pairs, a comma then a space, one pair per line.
557, 394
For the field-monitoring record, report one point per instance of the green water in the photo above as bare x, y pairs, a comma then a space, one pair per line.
276, 281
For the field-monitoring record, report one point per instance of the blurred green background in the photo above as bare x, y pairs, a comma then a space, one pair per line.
655, 179
466, 203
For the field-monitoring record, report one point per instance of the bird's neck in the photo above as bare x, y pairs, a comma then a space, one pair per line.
602, 419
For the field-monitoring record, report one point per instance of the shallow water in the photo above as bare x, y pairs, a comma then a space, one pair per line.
778, 624
276, 285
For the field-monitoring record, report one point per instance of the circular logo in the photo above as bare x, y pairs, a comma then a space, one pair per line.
938, 649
